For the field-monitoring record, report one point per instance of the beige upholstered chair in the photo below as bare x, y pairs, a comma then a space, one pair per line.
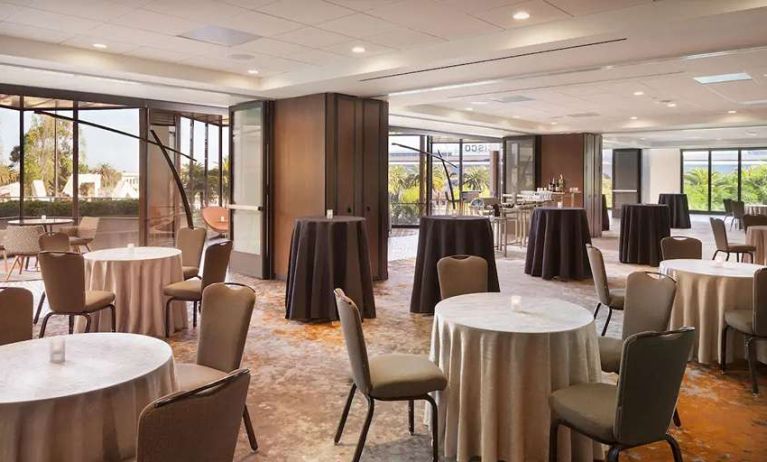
216, 263
83, 234
64, 281
754, 220
751, 323
191, 241
676, 247
198, 425
638, 410
738, 212
15, 314
21, 242
391, 377
50, 242
722, 245
612, 299
461, 274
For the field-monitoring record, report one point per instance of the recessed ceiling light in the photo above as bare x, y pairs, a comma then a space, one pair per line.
553, 123
99, 45
641, 139
732, 111
479, 102
252, 71
358, 49
515, 117
469, 109
719, 78
671, 104
634, 117
638, 93
521, 15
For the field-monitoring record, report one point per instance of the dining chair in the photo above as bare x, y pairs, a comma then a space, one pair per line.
83, 234
754, 220
191, 242
461, 274
16, 305
21, 242
723, 245
190, 290
389, 377
675, 247
727, 209
637, 411
198, 425
752, 323
223, 331
64, 282
50, 242
613, 299
738, 211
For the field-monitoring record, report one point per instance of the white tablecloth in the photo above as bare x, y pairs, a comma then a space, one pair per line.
757, 236
705, 290
137, 277
756, 209
86, 409
502, 366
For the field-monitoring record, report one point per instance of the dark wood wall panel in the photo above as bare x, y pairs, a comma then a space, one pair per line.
345, 160
563, 154
371, 150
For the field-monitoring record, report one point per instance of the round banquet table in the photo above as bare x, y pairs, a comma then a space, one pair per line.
137, 277
85, 409
642, 228
501, 366
557, 242
442, 236
757, 236
705, 290
47, 223
756, 209
679, 210
326, 254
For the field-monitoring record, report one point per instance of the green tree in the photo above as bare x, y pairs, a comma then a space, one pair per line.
477, 179
110, 176
47, 154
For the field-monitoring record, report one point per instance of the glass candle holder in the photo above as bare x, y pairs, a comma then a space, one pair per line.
559, 205
57, 349
329, 214
516, 303
43, 217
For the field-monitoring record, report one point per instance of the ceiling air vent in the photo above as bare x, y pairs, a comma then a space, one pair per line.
512, 99
220, 36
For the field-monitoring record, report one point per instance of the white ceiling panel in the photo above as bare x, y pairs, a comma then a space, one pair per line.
371, 49
270, 47
476, 6
313, 37
99, 10
54, 21
249, 4
585, 7
33, 32
306, 11
157, 22
362, 5
87, 41
359, 25
540, 12
403, 38
259, 23
158, 54
318, 57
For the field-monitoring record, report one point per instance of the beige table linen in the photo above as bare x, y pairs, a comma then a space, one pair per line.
757, 236
137, 277
705, 290
86, 409
756, 209
502, 366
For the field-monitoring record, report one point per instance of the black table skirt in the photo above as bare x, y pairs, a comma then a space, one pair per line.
642, 228
605, 215
443, 236
556, 245
325, 255
679, 209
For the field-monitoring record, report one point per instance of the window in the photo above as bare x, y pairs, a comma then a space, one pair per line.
407, 201
480, 167
753, 176
9, 169
441, 181
607, 177
695, 179
724, 178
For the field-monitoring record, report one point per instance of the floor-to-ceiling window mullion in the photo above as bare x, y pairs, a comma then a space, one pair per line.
740, 169
709, 181
221, 161
205, 172
21, 157
75, 163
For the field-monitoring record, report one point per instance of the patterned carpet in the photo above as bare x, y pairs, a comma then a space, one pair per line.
299, 378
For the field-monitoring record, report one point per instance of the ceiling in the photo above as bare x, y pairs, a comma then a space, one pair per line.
460, 65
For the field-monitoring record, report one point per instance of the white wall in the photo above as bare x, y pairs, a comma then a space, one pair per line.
661, 170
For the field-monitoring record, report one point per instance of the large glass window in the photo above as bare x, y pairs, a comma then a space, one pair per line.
753, 176
9, 168
407, 201
607, 176
444, 176
695, 179
724, 178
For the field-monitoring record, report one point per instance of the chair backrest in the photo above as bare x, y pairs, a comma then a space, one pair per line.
216, 263
720, 233
191, 241
224, 325
64, 280
652, 368
648, 303
22, 240
88, 227
461, 274
727, 205
754, 220
597, 264
760, 302
217, 218
54, 242
199, 425
738, 209
351, 325
16, 305
673, 247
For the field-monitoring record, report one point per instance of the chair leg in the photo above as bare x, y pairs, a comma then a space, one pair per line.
13, 265
737, 257
88, 321
728, 257
39, 308
44, 324
723, 349
596, 311
411, 417
347, 406
114, 317
434, 429
249, 429
715, 254
194, 314
72, 324
609, 315
613, 454
751, 352
167, 317
5, 259
365, 428
676, 418
675, 450
553, 440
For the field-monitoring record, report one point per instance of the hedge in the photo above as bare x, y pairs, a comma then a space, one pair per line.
93, 207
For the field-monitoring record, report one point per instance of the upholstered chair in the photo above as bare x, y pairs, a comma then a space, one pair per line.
727, 209
754, 220
676, 247
16, 305
191, 241
216, 264
722, 244
390, 377
636, 411
752, 323
64, 281
50, 242
223, 330
611, 298
21, 242
738, 211
461, 274
83, 234
198, 425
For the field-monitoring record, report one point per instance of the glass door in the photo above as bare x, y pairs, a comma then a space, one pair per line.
248, 205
